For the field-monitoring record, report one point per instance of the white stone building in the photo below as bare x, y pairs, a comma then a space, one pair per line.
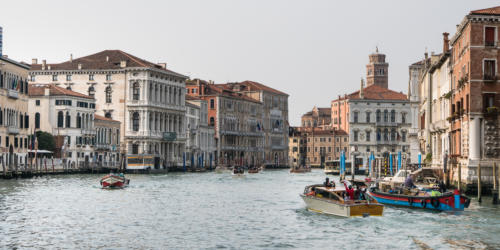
200, 145
67, 114
415, 71
147, 98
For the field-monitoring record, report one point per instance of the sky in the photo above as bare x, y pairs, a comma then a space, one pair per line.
313, 50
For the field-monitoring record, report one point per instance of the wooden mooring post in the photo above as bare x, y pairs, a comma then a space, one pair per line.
495, 191
459, 177
478, 182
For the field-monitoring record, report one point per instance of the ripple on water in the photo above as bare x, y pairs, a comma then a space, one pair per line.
216, 211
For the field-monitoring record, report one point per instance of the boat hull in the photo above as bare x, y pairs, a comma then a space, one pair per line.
300, 170
445, 202
113, 181
324, 206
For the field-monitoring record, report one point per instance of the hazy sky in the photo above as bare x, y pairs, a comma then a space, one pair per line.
312, 50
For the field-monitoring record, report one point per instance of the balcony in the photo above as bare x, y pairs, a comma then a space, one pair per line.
490, 43
489, 78
12, 93
13, 130
386, 124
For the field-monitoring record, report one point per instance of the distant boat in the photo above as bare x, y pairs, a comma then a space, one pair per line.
114, 181
330, 200
300, 169
238, 172
254, 170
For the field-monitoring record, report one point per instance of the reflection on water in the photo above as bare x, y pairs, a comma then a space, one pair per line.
210, 210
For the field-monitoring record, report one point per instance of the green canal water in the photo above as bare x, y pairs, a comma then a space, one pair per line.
210, 210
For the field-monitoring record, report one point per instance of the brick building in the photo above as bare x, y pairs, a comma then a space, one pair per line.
317, 117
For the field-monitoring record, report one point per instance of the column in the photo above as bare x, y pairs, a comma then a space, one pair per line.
474, 138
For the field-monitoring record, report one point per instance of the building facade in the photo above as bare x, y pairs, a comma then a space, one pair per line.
67, 115
317, 117
200, 146
146, 98
107, 146
14, 117
415, 74
475, 99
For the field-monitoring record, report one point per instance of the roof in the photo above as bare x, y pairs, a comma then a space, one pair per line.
105, 60
487, 11
39, 90
213, 89
103, 118
255, 86
20, 64
375, 92
321, 112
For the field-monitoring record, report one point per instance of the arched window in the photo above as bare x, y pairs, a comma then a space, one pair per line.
379, 136
393, 116
108, 115
37, 120
150, 92
78, 120
68, 120
135, 91
60, 119
212, 121
386, 116
108, 94
386, 134
355, 116
378, 115
21, 121
91, 91
393, 135
151, 120
368, 114
135, 121
403, 117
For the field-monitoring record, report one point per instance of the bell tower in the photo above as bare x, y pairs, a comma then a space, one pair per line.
377, 70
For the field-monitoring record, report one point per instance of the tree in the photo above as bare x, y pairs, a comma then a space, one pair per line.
45, 141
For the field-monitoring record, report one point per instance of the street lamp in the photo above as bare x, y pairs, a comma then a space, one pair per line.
354, 152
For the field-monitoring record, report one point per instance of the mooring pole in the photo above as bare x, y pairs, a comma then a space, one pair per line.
495, 184
479, 182
459, 177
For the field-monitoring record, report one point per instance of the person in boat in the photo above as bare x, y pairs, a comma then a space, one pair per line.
409, 182
442, 186
312, 192
332, 184
349, 190
327, 182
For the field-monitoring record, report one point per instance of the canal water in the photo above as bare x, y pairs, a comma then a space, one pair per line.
210, 210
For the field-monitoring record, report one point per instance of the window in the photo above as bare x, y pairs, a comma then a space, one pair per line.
60, 119
212, 103
386, 134
108, 77
91, 77
135, 149
54, 78
91, 91
368, 134
378, 115
386, 116
37, 120
212, 121
78, 121
378, 135
68, 78
489, 36
393, 135
403, 136
393, 116
135, 91
37, 102
355, 136
489, 71
403, 117
108, 115
135, 121
355, 117
108, 94
68, 120
368, 114
32, 78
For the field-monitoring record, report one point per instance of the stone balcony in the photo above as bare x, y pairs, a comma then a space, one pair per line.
13, 130
12, 93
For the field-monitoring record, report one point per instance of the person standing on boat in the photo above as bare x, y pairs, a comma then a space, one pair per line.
409, 182
349, 190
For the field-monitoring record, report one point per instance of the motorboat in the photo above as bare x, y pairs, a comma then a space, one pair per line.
300, 169
333, 200
254, 170
427, 193
238, 172
114, 181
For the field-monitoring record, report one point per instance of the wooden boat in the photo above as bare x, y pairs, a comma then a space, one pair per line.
238, 172
114, 181
329, 200
449, 201
302, 169
253, 170
391, 191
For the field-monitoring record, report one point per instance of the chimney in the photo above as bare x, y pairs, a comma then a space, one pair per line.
361, 94
446, 42
79, 66
163, 65
107, 58
34, 61
44, 63
123, 64
71, 58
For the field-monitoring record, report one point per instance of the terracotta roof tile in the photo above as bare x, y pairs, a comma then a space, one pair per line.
103, 118
375, 92
39, 90
104, 60
487, 11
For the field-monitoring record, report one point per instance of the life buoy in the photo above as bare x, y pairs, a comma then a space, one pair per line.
435, 202
423, 203
410, 201
467, 202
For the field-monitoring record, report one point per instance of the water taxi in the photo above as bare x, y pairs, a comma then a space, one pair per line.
332, 167
238, 172
321, 198
114, 181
